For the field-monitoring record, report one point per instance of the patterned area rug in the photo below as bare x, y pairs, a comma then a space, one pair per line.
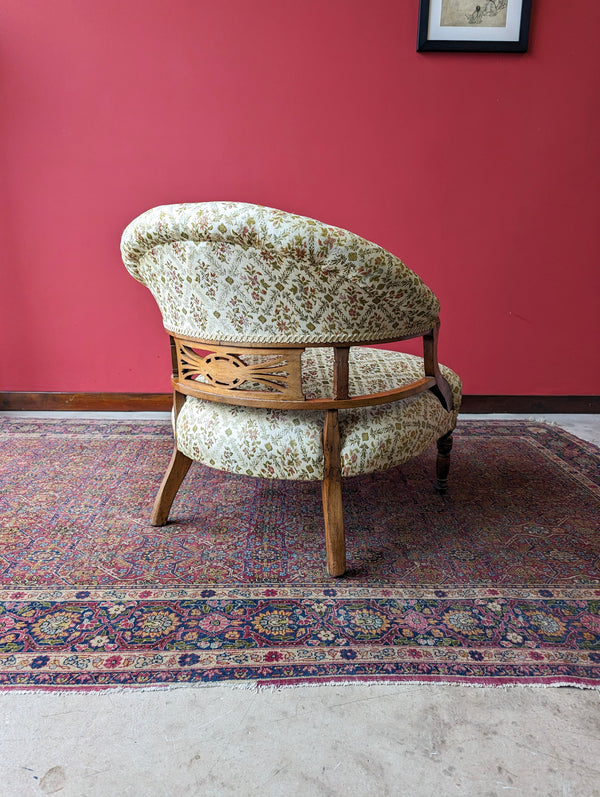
498, 582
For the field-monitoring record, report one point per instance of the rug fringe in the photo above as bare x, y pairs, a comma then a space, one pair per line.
280, 686
271, 687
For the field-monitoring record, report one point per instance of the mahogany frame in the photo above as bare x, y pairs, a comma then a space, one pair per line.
274, 376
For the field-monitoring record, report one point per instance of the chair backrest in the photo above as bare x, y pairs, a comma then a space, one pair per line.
256, 287
246, 274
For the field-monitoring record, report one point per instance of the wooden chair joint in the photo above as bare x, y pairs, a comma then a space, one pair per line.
441, 388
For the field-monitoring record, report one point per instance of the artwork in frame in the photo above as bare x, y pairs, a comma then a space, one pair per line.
496, 26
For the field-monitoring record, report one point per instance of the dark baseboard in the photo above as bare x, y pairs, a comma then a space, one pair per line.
87, 402
162, 402
532, 404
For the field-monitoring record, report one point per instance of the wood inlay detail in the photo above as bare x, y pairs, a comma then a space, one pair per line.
268, 372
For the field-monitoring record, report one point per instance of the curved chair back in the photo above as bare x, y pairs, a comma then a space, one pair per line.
258, 286
223, 271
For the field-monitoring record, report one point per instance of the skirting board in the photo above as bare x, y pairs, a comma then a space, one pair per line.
162, 402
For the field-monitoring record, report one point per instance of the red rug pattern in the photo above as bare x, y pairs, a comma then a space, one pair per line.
497, 582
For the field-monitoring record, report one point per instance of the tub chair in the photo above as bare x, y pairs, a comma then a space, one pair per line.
271, 316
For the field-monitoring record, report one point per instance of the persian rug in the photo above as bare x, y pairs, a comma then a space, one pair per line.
498, 582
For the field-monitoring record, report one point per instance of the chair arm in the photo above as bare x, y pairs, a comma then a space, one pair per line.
247, 398
215, 372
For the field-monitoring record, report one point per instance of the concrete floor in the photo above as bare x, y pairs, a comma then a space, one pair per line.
343, 740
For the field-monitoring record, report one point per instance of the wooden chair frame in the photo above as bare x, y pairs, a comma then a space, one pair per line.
276, 382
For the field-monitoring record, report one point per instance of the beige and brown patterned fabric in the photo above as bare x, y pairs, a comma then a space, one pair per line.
282, 444
238, 272
264, 309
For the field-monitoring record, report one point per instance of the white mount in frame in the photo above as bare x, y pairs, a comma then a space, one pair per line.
489, 25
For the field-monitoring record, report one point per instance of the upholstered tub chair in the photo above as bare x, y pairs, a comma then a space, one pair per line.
270, 317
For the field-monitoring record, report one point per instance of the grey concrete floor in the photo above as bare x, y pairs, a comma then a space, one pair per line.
338, 740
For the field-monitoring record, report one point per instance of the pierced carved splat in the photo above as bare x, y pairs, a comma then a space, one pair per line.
223, 369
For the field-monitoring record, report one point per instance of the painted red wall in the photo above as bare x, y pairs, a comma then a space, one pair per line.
480, 171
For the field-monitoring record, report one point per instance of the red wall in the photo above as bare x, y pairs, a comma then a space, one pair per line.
480, 171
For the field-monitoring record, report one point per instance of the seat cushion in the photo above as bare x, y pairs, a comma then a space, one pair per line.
284, 444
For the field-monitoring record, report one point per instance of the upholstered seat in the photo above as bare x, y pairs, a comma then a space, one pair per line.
282, 444
269, 314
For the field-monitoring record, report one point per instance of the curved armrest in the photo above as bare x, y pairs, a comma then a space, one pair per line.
247, 398
217, 372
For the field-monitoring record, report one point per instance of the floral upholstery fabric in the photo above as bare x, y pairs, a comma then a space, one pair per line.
282, 444
246, 273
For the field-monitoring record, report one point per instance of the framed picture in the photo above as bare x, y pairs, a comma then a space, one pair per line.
479, 26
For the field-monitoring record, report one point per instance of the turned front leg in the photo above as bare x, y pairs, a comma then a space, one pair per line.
444, 446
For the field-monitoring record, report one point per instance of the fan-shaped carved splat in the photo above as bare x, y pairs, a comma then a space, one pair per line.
223, 369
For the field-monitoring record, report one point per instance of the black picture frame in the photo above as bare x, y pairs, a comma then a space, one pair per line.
459, 39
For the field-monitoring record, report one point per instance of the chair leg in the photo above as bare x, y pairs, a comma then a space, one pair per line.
332, 497
444, 445
178, 467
